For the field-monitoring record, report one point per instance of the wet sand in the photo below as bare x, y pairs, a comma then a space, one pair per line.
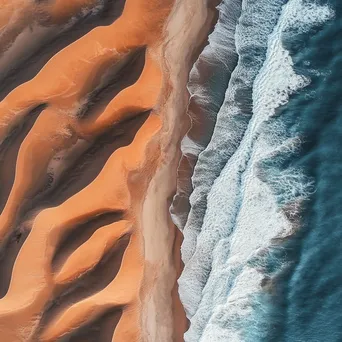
82, 252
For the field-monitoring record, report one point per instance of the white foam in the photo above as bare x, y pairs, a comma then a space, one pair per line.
229, 129
233, 117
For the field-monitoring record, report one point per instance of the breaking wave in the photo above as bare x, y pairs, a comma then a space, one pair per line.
247, 196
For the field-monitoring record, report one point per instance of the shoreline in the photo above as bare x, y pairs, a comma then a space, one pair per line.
183, 44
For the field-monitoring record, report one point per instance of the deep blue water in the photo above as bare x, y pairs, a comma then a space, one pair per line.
310, 291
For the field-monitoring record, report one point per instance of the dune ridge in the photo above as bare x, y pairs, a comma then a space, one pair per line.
26, 26
55, 292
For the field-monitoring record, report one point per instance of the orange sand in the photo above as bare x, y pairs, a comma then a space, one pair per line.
137, 181
16, 15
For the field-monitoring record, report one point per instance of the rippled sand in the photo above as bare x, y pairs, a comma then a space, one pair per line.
89, 152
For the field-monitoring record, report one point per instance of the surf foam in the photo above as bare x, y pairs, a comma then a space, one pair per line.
223, 271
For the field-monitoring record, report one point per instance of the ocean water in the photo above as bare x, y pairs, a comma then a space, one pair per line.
263, 238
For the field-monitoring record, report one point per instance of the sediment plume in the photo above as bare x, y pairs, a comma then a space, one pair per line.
90, 145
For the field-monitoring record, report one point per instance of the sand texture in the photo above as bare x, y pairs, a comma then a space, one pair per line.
92, 112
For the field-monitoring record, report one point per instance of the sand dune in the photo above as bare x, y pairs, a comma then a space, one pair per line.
106, 250
32, 32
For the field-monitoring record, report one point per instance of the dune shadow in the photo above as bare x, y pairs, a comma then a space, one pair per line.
88, 166
80, 234
9, 151
102, 329
8, 256
89, 284
31, 65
